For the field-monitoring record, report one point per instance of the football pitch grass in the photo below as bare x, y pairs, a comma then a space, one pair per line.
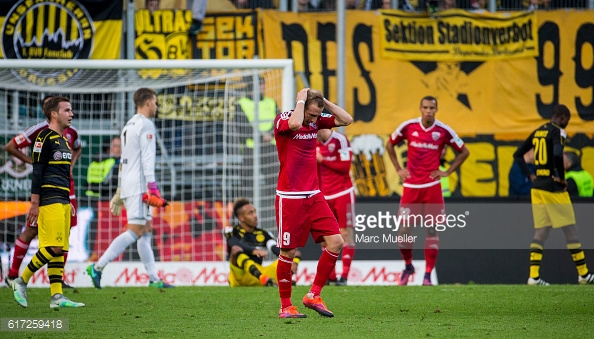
446, 311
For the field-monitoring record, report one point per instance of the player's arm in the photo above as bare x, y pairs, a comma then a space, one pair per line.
296, 120
460, 158
36, 182
572, 188
12, 148
342, 164
75, 156
271, 244
519, 157
234, 241
558, 144
341, 117
394, 139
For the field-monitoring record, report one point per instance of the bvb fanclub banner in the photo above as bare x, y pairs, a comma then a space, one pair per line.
492, 104
61, 29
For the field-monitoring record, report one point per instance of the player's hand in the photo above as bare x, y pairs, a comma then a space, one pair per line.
532, 177
33, 214
438, 174
72, 210
302, 94
403, 173
153, 197
116, 203
561, 182
259, 253
319, 156
153, 190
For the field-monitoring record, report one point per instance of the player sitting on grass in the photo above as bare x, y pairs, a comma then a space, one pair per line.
245, 249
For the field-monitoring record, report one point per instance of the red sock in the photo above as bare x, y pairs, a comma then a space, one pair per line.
326, 265
20, 251
64, 274
283, 277
406, 251
348, 253
333, 273
431, 249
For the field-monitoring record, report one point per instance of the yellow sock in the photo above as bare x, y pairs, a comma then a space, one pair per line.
578, 257
535, 259
55, 270
42, 257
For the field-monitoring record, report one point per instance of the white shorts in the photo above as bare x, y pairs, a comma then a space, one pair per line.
138, 213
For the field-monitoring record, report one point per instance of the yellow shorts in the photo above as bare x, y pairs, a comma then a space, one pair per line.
239, 277
54, 225
551, 209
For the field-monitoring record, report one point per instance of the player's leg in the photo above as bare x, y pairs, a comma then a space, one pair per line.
137, 213
290, 223
147, 255
73, 223
345, 212
409, 207
21, 246
324, 227
240, 259
542, 225
434, 207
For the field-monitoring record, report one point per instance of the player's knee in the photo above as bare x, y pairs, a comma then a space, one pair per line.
28, 234
334, 243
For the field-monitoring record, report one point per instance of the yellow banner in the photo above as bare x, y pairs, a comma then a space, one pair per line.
458, 35
162, 34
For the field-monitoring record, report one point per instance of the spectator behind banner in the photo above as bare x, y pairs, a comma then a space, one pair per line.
579, 181
519, 184
198, 8
152, 5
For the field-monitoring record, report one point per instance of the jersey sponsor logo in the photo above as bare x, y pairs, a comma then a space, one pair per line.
435, 135
62, 155
37, 147
66, 31
425, 145
149, 136
19, 139
305, 136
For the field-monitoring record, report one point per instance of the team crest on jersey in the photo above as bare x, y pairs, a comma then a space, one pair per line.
313, 125
260, 238
37, 147
435, 135
49, 29
415, 134
331, 148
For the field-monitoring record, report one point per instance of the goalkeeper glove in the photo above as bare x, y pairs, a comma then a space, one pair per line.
116, 203
153, 197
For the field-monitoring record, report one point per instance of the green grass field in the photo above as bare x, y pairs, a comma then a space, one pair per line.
498, 311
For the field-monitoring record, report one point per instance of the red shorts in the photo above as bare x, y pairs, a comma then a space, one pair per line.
343, 208
422, 201
73, 218
296, 218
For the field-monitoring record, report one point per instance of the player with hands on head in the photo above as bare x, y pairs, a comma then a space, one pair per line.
422, 194
551, 204
136, 179
15, 147
300, 208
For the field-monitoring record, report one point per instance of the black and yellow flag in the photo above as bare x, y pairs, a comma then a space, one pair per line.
61, 29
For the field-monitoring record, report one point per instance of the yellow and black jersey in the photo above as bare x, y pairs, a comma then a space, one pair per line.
51, 168
548, 141
236, 235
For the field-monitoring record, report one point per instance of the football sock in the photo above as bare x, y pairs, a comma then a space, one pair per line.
332, 276
283, 277
42, 257
535, 258
146, 254
431, 250
20, 251
326, 265
406, 251
55, 271
117, 246
348, 254
65, 254
245, 263
578, 257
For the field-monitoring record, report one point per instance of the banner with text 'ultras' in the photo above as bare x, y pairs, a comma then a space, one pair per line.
61, 29
457, 35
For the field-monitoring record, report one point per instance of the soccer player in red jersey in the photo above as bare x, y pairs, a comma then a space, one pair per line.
15, 147
334, 158
300, 209
422, 194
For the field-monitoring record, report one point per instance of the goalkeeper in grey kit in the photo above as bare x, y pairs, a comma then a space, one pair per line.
137, 190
